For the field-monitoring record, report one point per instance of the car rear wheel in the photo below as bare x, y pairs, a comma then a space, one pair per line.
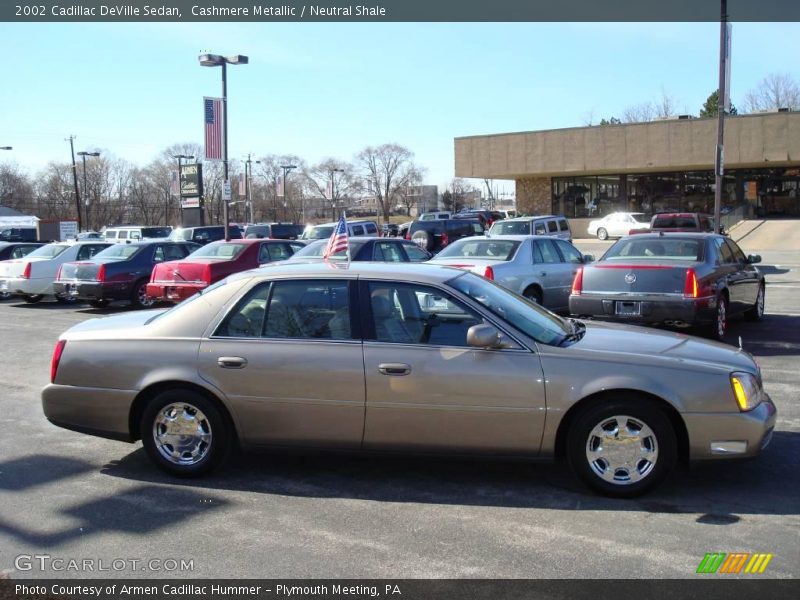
622, 448
33, 298
534, 294
717, 328
139, 297
423, 239
757, 311
5, 295
602, 234
184, 433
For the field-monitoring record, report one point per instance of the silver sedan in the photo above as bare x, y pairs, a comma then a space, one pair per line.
410, 358
539, 267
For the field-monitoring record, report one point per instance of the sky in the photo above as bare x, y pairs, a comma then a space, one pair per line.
322, 90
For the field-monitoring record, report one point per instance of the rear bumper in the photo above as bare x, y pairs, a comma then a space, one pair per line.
174, 292
20, 285
714, 436
652, 309
100, 412
93, 290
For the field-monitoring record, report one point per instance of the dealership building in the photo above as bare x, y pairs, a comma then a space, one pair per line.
586, 172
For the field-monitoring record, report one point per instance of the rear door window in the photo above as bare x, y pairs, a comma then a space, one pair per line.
279, 251
389, 252
545, 252
569, 252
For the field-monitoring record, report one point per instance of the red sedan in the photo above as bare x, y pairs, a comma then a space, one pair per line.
178, 279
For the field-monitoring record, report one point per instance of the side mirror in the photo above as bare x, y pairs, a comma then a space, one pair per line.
486, 336
587, 258
754, 258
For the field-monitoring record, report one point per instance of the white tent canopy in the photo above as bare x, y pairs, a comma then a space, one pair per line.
22, 221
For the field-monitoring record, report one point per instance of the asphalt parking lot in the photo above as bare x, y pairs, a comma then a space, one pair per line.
71, 496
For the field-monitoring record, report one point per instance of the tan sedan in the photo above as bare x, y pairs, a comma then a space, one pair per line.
383, 357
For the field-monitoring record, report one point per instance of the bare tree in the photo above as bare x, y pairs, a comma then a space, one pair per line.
666, 106
776, 90
16, 189
346, 183
388, 169
409, 195
639, 113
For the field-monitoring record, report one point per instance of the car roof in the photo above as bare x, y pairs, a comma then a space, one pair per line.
699, 235
532, 218
333, 223
422, 272
510, 237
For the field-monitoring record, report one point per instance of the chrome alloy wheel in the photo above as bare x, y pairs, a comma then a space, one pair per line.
622, 450
760, 302
722, 317
182, 434
143, 298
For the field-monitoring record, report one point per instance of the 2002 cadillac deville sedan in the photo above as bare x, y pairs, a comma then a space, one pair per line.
404, 358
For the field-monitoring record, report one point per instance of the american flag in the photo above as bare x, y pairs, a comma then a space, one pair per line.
338, 240
213, 122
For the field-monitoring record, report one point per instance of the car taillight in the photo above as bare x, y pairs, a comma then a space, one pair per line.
408, 234
489, 273
690, 287
577, 283
445, 239
57, 352
101, 273
26, 274
207, 274
58, 275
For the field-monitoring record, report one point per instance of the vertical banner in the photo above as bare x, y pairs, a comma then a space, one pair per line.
279, 187
329, 190
174, 183
212, 119
242, 186
727, 99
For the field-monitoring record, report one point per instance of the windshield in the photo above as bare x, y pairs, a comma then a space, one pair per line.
485, 249
535, 321
318, 233
156, 232
316, 249
118, 252
49, 251
222, 250
660, 248
511, 228
180, 235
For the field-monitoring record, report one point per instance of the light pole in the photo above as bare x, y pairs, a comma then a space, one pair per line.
333, 191
83, 155
719, 162
71, 140
6, 148
215, 60
286, 169
248, 176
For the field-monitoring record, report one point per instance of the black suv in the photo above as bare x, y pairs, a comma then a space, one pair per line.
204, 235
485, 216
273, 231
435, 235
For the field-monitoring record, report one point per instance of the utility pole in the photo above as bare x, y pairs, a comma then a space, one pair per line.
248, 176
70, 139
719, 162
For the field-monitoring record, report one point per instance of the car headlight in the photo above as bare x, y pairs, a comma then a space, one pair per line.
747, 390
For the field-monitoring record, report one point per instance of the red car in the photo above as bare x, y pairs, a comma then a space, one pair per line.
178, 279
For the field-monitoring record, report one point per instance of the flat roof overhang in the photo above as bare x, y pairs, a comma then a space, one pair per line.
754, 141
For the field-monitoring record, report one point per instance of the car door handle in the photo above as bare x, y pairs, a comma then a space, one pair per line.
543, 274
232, 362
394, 369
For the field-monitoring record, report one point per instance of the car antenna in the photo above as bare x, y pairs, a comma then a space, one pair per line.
740, 343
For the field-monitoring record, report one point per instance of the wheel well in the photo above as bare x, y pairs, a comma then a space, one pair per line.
674, 416
533, 286
147, 394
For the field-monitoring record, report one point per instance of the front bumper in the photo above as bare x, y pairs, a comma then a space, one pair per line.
174, 292
714, 436
97, 411
651, 309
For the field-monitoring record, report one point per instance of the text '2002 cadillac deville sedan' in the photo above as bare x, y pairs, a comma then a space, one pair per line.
404, 358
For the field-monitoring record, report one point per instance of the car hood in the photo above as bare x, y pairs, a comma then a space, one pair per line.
112, 326
620, 339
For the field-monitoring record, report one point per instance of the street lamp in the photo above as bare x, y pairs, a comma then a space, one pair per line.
286, 169
333, 191
83, 155
215, 60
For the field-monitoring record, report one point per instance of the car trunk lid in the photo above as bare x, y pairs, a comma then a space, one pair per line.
183, 271
636, 278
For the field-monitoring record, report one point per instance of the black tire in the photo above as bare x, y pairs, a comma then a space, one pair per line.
139, 298
757, 310
534, 294
33, 298
638, 412
423, 239
5, 295
199, 457
99, 303
602, 234
717, 328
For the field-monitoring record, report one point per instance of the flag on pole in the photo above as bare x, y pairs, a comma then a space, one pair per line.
213, 128
242, 186
338, 240
329, 190
174, 183
279, 187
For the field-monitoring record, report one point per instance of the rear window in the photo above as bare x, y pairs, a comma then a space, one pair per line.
119, 252
181, 235
552, 226
481, 248
511, 228
358, 230
156, 232
673, 222
282, 230
656, 248
370, 228
319, 232
49, 251
563, 225
224, 251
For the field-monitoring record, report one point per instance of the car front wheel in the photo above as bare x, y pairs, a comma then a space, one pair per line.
757, 310
602, 234
184, 433
622, 448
